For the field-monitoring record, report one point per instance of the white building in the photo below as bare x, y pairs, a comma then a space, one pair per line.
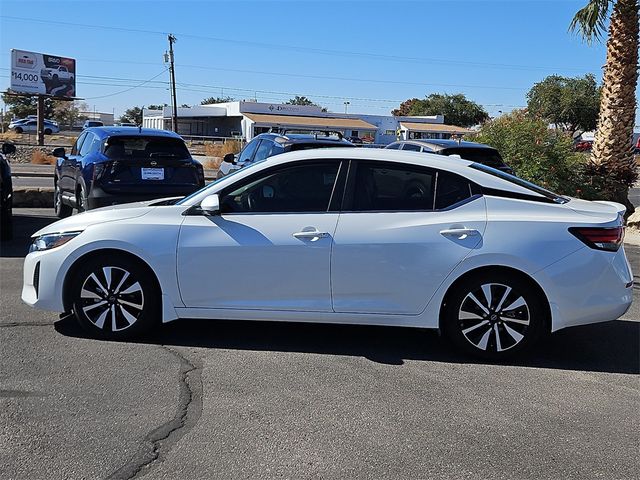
248, 119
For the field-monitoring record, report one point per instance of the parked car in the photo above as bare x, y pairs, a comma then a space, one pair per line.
57, 73
476, 152
31, 126
92, 123
344, 235
583, 145
6, 193
267, 145
110, 165
125, 124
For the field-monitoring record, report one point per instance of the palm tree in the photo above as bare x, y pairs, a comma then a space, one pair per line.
612, 156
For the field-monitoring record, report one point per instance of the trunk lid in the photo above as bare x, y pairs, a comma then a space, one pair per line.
607, 211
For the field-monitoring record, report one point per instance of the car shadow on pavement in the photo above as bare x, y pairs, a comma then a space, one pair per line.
23, 227
606, 347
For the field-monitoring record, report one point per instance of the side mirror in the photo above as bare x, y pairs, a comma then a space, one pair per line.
59, 152
229, 158
210, 205
8, 148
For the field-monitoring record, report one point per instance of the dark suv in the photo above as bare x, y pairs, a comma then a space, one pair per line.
267, 145
110, 165
474, 152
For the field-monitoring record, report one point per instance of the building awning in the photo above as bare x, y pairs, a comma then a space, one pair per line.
433, 128
323, 123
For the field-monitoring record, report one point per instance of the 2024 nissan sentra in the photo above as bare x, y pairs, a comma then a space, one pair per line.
376, 237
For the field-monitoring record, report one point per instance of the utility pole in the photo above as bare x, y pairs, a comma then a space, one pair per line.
40, 120
172, 71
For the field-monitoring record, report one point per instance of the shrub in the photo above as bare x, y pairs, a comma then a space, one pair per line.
221, 149
40, 158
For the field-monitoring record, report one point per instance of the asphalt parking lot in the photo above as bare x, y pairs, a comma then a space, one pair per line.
214, 399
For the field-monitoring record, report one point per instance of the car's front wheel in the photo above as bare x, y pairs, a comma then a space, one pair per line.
61, 210
494, 316
115, 298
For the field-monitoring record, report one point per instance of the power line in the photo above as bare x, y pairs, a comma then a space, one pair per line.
395, 58
128, 89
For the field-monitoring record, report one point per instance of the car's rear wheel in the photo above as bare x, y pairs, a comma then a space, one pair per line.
61, 210
47, 131
18, 130
81, 199
494, 316
115, 298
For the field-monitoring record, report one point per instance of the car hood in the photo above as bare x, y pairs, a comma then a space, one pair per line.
113, 213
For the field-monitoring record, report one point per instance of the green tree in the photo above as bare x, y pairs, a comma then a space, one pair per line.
211, 100
67, 114
405, 108
302, 100
537, 153
156, 107
132, 115
613, 164
569, 103
457, 109
22, 106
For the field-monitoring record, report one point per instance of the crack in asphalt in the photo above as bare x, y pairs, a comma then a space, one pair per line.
159, 441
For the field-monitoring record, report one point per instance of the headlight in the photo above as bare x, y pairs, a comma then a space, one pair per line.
51, 240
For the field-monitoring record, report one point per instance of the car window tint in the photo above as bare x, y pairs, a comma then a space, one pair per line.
393, 187
486, 156
394, 146
78, 144
145, 148
450, 190
247, 151
411, 147
86, 145
301, 188
263, 151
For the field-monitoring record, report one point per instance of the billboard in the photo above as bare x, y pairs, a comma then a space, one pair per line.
39, 73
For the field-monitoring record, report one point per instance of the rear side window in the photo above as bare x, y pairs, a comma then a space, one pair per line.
394, 146
450, 190
411, 147
145, 148
486, 156
392, 187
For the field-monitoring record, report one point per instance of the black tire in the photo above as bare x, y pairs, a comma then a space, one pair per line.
81, 199
47, 131
510, 321
55, 78
18, 130
115, 298
61, 210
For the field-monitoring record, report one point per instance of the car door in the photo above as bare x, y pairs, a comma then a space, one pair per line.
67, 166
270, 247
403, 229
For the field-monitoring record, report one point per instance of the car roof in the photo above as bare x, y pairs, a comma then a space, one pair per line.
294, 138
442, 144
460, 166
104, 132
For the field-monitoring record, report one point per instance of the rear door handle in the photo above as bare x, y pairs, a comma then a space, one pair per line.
460, 233
311, 234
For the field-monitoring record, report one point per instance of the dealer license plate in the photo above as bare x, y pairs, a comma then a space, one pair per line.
152, 173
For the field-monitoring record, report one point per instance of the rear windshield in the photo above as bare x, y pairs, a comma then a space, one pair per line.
520, 182
486, 156
145, 147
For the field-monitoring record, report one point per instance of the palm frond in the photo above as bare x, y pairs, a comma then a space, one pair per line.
590, 21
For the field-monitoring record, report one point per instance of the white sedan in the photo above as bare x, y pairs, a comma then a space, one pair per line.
352, 236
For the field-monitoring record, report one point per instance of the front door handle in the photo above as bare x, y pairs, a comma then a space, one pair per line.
460, 233
313, 235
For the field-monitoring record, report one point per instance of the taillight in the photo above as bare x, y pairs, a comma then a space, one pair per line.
608, 239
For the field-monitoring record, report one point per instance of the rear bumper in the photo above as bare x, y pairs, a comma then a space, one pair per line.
588, 286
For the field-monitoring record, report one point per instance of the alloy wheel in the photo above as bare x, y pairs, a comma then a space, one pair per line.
494, 317
112, 298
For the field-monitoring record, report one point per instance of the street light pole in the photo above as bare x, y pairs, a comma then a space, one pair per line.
172, 71
345, 106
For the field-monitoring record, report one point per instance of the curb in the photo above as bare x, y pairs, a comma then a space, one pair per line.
33, 197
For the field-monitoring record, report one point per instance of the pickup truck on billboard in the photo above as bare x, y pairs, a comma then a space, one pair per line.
42, 74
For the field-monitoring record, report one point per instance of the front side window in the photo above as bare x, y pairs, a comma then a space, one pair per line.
263, 151
78, 144
411, 147
393, 187
247, 151
300, 188
394, 146
86, 145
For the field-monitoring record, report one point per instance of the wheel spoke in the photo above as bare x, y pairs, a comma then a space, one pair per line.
100, 321
507, 291
516, 304
131, 304
128, 317
515, 335
486, 289
95, 279
107, 275
497, 333
124, 277
515, 320
482, 345
482, 307
95, 305
471, 329
132, 289
88, 294
114, 327
464, 315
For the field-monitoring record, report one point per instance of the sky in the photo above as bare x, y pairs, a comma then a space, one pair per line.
371, 54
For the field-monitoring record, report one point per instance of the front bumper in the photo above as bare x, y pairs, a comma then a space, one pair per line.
40, 286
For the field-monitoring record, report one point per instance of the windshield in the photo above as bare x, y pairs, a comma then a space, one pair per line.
520, 182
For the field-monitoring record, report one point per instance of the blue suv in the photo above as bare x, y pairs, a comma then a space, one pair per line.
111, 165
